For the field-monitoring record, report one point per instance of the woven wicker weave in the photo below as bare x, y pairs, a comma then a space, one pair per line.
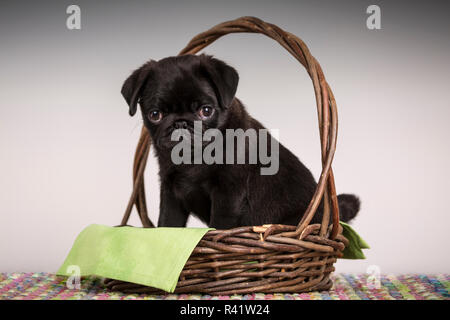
269, 258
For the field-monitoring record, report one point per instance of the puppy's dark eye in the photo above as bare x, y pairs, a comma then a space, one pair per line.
205, 112
155, 115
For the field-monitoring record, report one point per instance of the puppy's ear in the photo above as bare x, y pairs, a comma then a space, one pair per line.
224, 78
131, 88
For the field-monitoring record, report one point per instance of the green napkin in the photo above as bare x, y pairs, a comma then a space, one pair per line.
152, 257
356, 243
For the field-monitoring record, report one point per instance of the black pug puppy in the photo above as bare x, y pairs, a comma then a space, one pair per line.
176, 91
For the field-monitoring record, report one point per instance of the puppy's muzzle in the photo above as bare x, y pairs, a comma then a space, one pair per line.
180, 124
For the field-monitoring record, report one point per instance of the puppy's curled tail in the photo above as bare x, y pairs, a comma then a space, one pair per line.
349, 205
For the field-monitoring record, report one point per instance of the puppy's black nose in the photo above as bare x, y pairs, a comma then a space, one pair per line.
180, 124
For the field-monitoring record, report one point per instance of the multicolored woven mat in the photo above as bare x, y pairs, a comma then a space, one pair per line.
27, 286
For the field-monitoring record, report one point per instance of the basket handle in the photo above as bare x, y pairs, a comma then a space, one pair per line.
327, 117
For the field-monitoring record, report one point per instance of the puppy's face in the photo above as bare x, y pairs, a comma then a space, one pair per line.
176, 91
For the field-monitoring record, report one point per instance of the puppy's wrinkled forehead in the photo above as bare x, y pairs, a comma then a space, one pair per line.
177, 84
181, 82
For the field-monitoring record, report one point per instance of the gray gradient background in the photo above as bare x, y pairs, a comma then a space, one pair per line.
67, 141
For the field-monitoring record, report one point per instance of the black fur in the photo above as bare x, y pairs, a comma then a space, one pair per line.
221, 195
348, 206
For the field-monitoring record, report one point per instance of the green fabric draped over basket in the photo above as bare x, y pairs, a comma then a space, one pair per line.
153, 257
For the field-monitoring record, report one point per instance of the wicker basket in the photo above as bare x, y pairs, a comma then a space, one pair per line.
269, 258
